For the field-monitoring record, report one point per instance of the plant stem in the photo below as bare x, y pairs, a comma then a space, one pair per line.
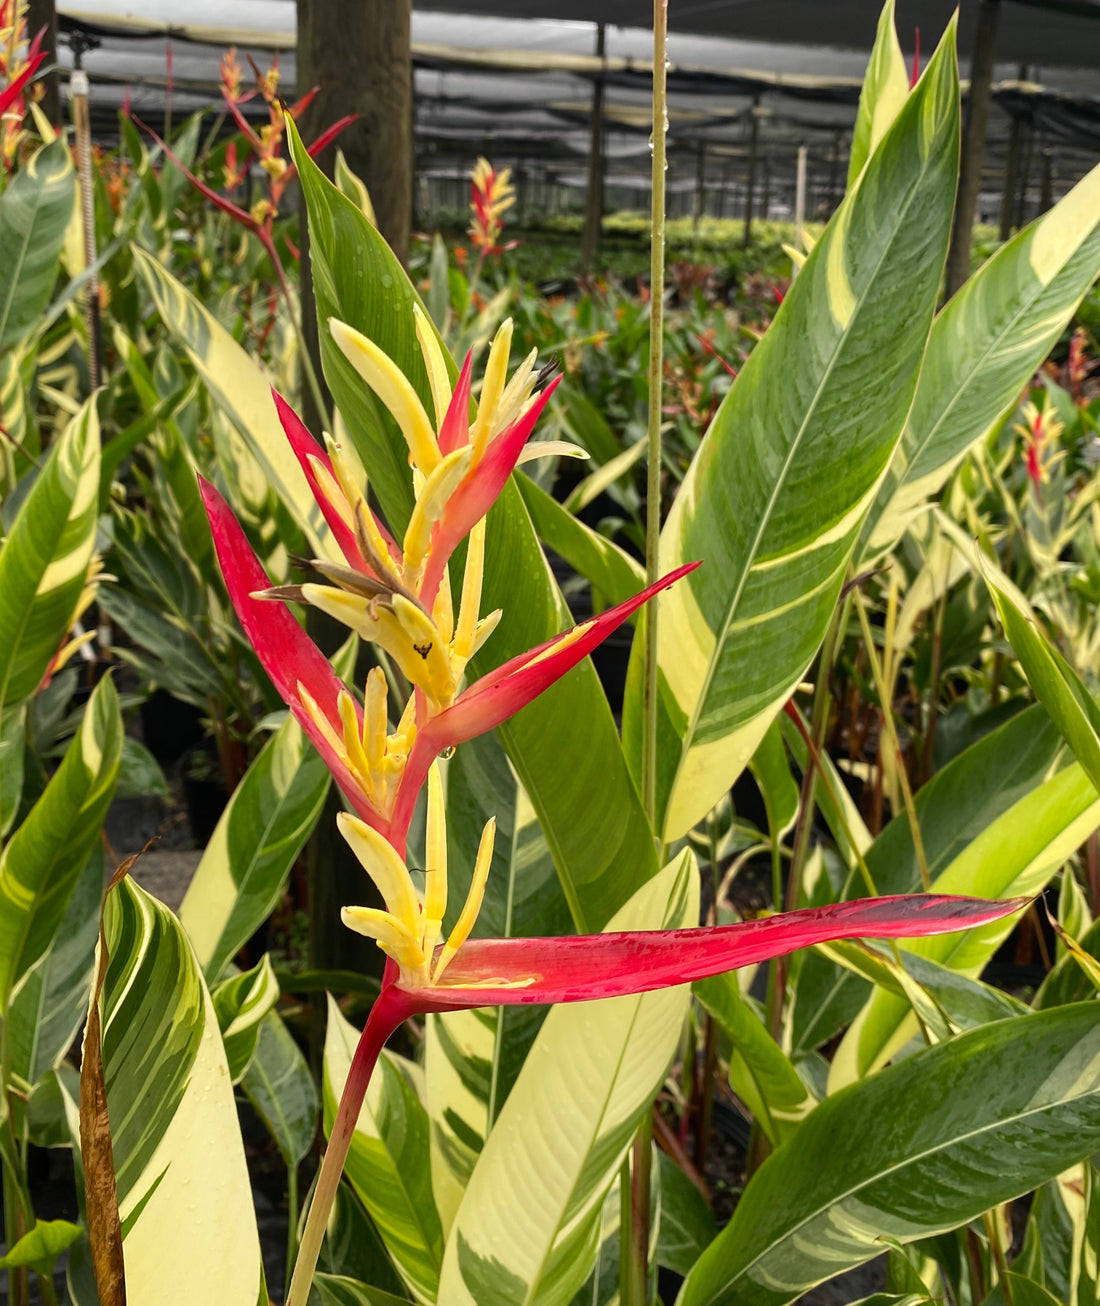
386, 1015
299, 335
888, 723
291, 1217
634, 1245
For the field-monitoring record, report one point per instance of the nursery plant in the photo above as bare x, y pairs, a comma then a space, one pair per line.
572, 968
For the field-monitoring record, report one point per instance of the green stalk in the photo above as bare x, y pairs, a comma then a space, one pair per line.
291, 1219
634, 1244
892, 737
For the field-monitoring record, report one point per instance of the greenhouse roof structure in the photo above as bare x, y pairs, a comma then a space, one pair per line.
498, 77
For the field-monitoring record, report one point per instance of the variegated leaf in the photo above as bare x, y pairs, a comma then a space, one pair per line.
388, 1163
1014, 856
240, 1003
928, 1145
472, 1058
776, 494
245, 865
43, 861
984, 346
760, 1071
240, 389
183, 1189
281, 1090
44, 560
529, 1225
885, 88
38, 202
48, 1008
12, 730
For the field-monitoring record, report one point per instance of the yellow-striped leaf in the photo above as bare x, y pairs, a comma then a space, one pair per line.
885, 87
241, 390
776, 494
43, 860
244, 866
37, 205
528, 1228
924, 1147
240, 1003
1014, 856
44, 560
183, 1190
984, 346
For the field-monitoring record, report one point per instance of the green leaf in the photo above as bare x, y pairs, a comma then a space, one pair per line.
240, 1003
42, 1245
772, 773
44, 859
687, 1222
777, 491
760, 1072
178, 1156
954, 809
280, 1088
139, 774
38, 203
928, 1145
336, 1290
49, 1005
984, 347
529, 1225
1026, 1292
387, 1164
44, 560
1057, 686
1014, 856
12, 730
885, 90
611, 571
603, 850
239, 388
262, 830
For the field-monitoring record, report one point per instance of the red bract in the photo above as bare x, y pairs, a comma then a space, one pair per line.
293, 661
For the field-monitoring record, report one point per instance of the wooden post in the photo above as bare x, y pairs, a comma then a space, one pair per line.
593, 202
973, 146
1012, 167
750, 182
1025, 174
43, 14
360, 56
1046, 185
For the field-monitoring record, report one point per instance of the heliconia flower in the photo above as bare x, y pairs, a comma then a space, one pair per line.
499, 972
396, 597
491, 196
1040, 429
381, 772
230, 72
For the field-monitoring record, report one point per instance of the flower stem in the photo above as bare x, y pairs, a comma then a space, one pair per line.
634, 1246
386, 1015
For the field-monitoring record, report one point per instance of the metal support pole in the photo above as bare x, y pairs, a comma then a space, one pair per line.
1025, 175
799, 197
834, 173
765, 198
750, 182
78, 94
1012, 168
973, 147
1046, 186
700, 183
593, 204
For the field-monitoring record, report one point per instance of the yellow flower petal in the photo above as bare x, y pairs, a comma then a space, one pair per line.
385, 868
474, 898
433, 674
430, 503
390, 935
435, 849
436, 364
492, 387
394, 389
471, 594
